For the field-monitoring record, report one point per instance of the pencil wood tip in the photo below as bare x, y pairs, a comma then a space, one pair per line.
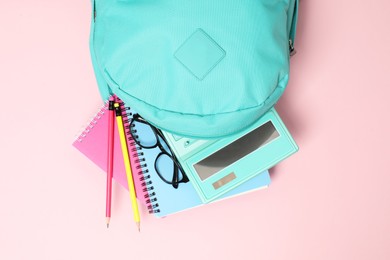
139, 226
108, 222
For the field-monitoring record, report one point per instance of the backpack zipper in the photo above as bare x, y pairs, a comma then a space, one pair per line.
292, 49
94, 11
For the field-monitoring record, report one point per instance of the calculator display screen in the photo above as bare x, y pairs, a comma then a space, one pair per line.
236, 150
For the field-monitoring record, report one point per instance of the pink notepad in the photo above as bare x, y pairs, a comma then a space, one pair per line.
90, 143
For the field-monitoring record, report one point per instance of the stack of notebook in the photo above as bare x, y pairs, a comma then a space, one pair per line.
157, 196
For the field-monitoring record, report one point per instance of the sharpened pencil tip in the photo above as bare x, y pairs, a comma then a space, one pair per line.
108, 222
139, 226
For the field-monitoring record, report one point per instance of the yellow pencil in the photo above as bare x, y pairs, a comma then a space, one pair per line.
126, 159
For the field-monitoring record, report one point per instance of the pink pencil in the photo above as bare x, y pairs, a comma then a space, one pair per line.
110, 158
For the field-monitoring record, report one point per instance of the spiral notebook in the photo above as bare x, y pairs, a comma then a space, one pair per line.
160, 198
93, 143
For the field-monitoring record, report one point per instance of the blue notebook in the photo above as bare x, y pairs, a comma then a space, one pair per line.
166, 200
169, 200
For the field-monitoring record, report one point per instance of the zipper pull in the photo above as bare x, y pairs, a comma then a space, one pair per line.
94, 11
292, 50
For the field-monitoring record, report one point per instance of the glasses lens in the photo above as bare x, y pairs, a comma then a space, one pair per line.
143, 134
165, 167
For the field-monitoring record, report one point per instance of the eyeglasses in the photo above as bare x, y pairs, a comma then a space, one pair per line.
166, 164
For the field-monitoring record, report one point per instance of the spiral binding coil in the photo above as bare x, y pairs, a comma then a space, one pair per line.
92, 123
141, 167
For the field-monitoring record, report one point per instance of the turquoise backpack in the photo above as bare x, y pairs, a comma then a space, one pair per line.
196, 68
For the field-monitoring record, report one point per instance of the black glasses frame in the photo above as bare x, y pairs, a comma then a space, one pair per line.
159, 136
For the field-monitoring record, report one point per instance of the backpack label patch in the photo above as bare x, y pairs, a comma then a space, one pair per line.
200, 54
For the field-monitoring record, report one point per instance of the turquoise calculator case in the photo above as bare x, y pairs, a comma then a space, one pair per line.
216, 166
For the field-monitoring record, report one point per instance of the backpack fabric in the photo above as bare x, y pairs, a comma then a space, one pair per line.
200, 69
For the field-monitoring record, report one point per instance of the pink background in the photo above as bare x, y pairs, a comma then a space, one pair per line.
329, 201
